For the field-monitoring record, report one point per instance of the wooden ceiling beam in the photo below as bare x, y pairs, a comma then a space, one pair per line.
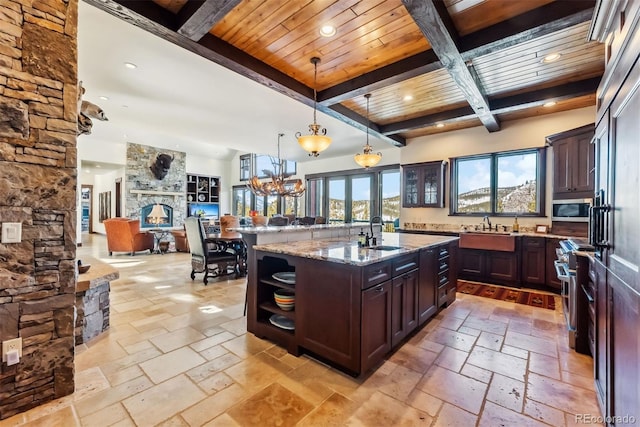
539, 22
507, 104
360, 122
197, 18
426, 15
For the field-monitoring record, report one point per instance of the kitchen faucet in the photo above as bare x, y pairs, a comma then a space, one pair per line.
371, 221
486, 217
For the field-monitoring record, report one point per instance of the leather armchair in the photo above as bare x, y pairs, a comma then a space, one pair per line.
124, 235
180, 237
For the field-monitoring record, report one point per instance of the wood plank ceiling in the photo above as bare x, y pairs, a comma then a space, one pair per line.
452, 63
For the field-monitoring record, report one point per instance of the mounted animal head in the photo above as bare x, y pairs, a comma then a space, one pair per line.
161, 166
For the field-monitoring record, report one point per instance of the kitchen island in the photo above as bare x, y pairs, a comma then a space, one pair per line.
352, 305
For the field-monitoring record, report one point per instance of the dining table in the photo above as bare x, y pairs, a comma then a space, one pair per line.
234, 241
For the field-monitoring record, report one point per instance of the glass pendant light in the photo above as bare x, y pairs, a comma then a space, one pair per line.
368, 158
317, 140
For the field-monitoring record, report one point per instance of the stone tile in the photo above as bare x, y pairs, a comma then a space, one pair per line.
494, 415
111, 396
527, 342
63, 417
544, 365
88, 382
114, 413
506, 392
557, 394
213, 406
252, 374
489, 340
577, 380
427, 344
212, 341
452, 359
223, 420
452, 416
399, 383
246, 345
543, 413
515, 351
476, 373
469, 331
414, 357
273, 406
171, 364
424, 402
454, 388
453, 339
451, 322
215, 383
485, 325
330, 413
497, 362
382, 410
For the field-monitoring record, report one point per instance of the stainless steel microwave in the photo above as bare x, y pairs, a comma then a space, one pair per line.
573, 210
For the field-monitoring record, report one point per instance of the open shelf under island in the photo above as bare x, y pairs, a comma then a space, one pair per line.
352, 305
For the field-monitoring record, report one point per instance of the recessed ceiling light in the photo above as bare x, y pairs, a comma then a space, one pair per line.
98, 166
440, 125
328, 31
551, 57
549, 104
408, 98
130, 65
104, 98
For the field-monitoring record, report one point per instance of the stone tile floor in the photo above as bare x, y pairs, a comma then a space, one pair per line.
177, 354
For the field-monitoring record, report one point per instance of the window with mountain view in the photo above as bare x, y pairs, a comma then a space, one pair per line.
506, 183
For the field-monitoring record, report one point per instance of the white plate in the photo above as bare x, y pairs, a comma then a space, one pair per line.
201, 197
288, 277
282, 322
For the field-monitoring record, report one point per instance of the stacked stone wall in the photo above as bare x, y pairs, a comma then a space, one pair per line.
38, 177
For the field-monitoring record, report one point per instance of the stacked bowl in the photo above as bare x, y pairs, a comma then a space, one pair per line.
285, 299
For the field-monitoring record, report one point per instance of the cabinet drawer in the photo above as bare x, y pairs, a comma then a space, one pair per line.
376, 273
442, 296
443, 252
443, 265
405, 263
443, 279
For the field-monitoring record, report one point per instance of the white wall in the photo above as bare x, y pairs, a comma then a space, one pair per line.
517, 134
214, 167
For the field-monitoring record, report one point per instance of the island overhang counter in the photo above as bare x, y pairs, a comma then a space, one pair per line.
353, 305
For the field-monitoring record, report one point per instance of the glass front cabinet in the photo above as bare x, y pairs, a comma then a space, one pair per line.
423, 185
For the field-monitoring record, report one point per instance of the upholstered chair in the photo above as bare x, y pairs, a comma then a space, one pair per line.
124, 235
321, 220
307, 220
211, 258
180, 237
278, 221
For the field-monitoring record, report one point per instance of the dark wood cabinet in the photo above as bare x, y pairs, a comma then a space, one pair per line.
404, 300
499, 267
573, 163
551, 256
423, 185
427, 285
533, 255
203, 195
376, 324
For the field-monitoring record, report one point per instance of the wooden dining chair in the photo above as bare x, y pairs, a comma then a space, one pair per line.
211, 258
278, 221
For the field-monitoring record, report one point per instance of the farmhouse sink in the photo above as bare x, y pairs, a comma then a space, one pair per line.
488, 241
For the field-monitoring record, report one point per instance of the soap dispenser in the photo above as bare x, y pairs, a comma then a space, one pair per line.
516, 226
361, 238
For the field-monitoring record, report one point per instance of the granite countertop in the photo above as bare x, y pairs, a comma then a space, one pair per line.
293, 228
98, 273
525, 234
346, 251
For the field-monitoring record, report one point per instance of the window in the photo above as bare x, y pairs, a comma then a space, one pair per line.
245, 167
263, 162
506, 183
355, 195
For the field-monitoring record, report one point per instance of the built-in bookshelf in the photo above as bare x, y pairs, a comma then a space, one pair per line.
203, 196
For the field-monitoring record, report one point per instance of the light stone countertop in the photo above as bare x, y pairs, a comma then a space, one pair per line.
346, 251
294, 228
99, 272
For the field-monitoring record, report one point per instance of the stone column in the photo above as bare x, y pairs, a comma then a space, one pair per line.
38, 171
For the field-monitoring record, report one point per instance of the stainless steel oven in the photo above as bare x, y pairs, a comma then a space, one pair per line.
573, 210
566, 271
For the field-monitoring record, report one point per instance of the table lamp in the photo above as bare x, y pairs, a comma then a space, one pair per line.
157, 215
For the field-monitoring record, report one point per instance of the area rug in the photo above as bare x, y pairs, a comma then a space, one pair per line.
533, 299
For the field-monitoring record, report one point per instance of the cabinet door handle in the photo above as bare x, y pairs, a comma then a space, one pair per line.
380, 289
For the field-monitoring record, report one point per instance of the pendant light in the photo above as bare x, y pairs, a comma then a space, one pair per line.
368, 159
317, 140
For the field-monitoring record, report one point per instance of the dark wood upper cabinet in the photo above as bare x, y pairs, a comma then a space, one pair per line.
423, 185
573, 163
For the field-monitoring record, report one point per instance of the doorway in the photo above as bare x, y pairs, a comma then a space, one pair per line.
86, 204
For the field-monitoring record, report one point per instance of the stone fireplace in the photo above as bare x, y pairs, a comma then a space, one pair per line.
143, 189
145, 221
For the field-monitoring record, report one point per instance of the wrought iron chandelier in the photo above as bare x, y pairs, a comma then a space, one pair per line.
317, 140
279, 183
368, 158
